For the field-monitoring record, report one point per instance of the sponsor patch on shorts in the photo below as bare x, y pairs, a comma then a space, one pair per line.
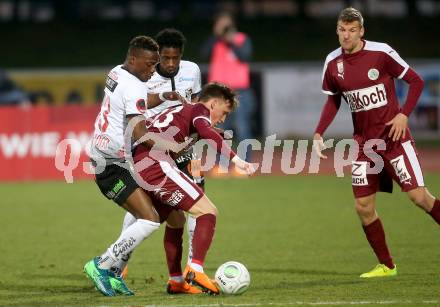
401, 170
359, 173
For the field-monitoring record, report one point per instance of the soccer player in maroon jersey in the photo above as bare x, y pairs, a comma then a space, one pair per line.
172, 188
363, 72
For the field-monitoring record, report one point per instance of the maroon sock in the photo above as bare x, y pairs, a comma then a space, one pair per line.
172, 242
203, 234
376, 237
435, 211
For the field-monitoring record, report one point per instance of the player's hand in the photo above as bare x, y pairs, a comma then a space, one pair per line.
246, 167
174, 96
398, 127
319, 146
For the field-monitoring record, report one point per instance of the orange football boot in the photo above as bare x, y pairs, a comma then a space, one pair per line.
202, 280
174, 287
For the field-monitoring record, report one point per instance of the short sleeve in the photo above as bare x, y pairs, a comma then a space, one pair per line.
197, 86
135, 99
328, 85
394, 64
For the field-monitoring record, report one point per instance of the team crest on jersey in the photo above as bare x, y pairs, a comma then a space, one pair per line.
340, 67
188, 93
373, 74
140, 105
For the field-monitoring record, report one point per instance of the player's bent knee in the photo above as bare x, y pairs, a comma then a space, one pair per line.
418, 196
203, 206
176, 219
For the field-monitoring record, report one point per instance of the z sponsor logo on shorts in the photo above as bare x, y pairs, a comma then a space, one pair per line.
366, 98
359, 173
401, 170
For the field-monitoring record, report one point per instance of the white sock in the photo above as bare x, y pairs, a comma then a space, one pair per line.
129, 239
176, 278
119, 266
196, 267
191, 225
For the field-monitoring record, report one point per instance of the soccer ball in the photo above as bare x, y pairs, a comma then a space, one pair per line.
232, 277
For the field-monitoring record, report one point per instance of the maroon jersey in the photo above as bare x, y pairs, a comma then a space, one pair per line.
189, 119
365, 80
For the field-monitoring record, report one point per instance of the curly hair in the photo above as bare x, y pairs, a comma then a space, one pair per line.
170, 38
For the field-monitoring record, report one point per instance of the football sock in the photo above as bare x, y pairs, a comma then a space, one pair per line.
177, 278
376, 237
129, 239
203, 235
435, 211
191, 225
196, 267
119, 266
172, 242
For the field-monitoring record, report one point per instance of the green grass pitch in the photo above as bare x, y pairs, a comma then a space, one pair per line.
299, 236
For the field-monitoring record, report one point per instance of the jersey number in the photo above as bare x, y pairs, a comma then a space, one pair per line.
164, 118
103, 121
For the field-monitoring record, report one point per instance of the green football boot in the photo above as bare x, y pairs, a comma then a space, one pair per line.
380, 270
99, 277
118, 284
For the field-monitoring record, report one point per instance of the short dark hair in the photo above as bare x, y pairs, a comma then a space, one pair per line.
219, 90
170, 38
351, 14
142, 42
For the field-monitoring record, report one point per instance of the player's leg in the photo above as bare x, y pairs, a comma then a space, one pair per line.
425, 200
120, 267
206, 215
408, 174
365, 186
117, 184
173, 244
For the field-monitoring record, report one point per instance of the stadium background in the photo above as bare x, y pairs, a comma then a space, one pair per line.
59, 51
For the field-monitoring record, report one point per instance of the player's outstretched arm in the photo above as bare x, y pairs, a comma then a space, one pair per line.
141, 136
318, 145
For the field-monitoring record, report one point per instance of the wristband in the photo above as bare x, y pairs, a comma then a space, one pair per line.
161, 97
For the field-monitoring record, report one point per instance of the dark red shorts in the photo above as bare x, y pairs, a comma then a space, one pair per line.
400, 162
166, 184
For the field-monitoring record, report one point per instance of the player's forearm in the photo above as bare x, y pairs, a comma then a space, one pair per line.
214, 139
416, 84
328, 113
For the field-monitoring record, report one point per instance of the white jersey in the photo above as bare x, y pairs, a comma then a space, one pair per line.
125, 94
187, 82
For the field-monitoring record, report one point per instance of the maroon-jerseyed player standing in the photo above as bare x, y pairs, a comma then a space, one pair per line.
363, 72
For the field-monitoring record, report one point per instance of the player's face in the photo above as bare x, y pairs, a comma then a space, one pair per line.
144, 64
170, 59
220, 109
350, 34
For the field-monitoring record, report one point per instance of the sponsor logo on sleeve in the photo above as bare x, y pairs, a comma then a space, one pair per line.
111, 84
141, 106
359, 173
401, 170
366, 98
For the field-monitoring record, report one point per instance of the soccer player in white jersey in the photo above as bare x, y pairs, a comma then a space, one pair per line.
363, 73
174, 74
125, 98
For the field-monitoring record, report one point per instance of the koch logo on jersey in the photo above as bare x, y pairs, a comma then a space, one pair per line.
367, 98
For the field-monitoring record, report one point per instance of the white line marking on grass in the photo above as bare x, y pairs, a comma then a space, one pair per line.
221, 304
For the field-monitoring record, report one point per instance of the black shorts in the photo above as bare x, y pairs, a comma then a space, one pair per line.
183, 162
116, 183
